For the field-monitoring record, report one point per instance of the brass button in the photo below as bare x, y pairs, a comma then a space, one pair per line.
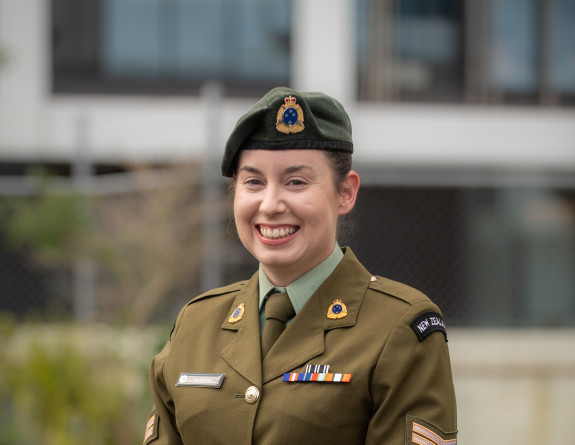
252, 395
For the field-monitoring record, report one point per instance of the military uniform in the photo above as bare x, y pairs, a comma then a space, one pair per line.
210, 385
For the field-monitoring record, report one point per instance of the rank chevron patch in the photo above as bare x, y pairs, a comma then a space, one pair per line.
421, 432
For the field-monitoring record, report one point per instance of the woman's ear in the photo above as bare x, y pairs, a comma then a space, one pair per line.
348, 193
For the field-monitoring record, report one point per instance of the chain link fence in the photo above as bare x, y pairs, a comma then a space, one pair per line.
489, 256
124, 248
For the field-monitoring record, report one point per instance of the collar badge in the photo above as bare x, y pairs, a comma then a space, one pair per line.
337, 310
238, 314
290, 117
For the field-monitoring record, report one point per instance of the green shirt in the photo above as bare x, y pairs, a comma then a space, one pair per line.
303, 288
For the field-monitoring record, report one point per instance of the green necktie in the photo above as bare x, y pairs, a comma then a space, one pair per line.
278, 310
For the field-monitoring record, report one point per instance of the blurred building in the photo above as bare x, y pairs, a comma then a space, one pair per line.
463, 113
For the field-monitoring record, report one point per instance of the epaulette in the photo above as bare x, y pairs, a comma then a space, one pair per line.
234, 287
398, 290
425, 323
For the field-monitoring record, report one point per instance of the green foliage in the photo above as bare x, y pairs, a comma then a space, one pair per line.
144, 243
48, 224
54, 223
61, 393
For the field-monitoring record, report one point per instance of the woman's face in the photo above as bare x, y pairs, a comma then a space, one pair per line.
286, 208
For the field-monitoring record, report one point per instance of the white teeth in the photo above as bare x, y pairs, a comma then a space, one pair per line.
277, 233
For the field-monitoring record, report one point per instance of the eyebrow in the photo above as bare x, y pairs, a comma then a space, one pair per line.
292, 169
249, 169
297, 168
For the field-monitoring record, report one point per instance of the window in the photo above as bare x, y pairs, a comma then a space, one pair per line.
146, 46
427, 47
508, 51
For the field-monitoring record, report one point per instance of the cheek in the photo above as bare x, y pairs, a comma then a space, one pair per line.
238, 212
320, 210
243, 209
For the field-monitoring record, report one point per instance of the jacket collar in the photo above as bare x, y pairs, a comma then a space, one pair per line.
243, 353
303, 339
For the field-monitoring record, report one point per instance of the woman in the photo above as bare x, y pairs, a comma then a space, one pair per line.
362, 359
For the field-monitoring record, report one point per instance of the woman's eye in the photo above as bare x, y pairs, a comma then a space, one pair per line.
295, 182
252, 181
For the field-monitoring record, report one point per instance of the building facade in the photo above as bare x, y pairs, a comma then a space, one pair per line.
464, 128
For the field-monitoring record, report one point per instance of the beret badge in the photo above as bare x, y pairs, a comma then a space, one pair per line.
290, 117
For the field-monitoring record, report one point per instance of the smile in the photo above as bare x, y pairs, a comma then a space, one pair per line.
277, 232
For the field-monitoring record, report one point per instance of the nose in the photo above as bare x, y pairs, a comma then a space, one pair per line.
272, 201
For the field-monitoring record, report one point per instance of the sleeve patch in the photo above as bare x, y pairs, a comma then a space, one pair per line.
151, 433
421, 432
427, 323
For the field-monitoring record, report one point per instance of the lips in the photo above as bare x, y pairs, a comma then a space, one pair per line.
277, 232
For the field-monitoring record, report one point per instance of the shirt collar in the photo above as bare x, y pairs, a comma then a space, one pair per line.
303, 288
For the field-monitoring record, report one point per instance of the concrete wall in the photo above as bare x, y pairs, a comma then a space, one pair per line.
514, 386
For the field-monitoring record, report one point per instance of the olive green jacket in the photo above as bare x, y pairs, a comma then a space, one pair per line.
401, 385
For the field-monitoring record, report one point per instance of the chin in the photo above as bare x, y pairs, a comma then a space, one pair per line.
274, 260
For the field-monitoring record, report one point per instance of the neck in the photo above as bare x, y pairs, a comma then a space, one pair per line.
280, 278
284, 276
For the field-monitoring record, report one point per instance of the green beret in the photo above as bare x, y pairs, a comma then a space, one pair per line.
287, 119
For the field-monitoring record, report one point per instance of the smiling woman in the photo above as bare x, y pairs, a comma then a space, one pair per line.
313, 348
286, 209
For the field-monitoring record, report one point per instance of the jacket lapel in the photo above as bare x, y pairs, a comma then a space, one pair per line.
243, 353
303, 339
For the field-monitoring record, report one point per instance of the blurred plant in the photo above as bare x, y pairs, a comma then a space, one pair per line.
150, 241
146, 240
59, 393
54, 223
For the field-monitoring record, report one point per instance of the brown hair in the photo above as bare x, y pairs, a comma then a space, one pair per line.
340, 163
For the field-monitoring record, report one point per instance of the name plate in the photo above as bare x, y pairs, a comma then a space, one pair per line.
200, 380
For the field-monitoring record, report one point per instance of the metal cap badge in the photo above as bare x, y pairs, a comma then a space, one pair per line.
290, 117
